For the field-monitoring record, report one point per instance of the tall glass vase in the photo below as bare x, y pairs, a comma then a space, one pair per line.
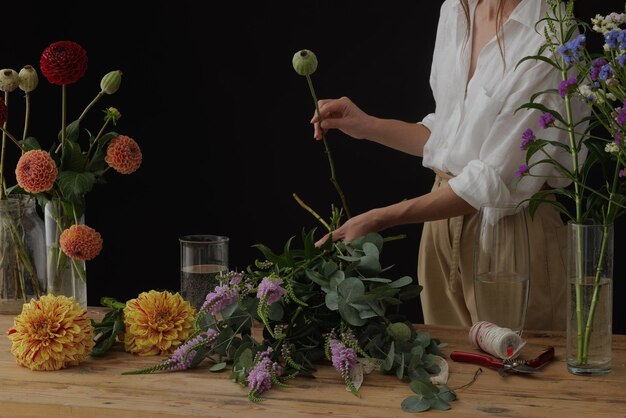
22, 253
590, 299
66, 276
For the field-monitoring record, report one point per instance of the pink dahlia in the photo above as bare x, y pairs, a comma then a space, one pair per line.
80, 242
123, 154
36, 171
3, 111
63, 62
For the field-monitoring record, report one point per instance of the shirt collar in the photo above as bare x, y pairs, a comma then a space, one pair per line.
527, 12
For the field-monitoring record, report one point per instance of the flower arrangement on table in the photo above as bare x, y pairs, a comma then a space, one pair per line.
279, 318
60, 177
598, 164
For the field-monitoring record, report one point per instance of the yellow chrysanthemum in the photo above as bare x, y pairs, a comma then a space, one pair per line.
157, 323
51, 333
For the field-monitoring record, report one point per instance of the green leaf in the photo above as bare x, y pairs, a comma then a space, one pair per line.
388, 362
350, 314
30, 144
400, 368
74, 184
401, 282
71, 132
368, 264
73, 158
332, 300
439, 404
351, 288
415, 404
371, 250
218, 367
446, 394
427, 390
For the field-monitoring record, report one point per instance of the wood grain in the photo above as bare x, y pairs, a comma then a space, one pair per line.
97, 389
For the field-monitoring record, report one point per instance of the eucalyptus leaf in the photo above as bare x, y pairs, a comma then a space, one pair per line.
415, 404
438, 404
217, 367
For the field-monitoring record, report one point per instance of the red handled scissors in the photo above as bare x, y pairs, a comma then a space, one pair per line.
505, 366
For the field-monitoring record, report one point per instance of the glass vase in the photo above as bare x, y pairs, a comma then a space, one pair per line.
66, 276
590, 299
22, 253
502, 266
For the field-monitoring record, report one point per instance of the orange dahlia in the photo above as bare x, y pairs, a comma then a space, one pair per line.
80, 242
63, 62
51, 333
123, 154
36, 171
157, 323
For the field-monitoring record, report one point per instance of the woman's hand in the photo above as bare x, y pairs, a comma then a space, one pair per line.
355, 227
341, 114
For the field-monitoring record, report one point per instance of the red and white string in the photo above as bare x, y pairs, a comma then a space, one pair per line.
500, 342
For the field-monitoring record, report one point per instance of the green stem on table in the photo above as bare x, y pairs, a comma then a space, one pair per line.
333, 177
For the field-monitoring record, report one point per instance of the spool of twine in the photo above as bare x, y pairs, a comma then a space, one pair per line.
500, 342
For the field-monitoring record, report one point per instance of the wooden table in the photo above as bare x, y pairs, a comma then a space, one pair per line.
97, 389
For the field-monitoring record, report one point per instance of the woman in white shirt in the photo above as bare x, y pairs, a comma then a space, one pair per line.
472, 142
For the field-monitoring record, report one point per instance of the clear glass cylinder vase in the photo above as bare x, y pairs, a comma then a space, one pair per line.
66, 276
22, 253
589, 299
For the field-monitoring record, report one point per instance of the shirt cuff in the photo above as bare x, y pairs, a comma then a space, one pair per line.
428, 121
480, 185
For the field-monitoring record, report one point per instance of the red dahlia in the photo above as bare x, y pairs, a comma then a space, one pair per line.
63, 62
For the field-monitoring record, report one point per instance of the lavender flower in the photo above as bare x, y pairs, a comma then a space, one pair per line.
262, 374
343, 357
570, 51
618, 137
522, 170
622, 172
606, 72
565, 86
596, 66
270, 290
621, 115
221, 297
527, 137
183, 357
546, 120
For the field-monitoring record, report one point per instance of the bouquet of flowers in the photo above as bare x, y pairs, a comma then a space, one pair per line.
296, 308
598, 165
61, 176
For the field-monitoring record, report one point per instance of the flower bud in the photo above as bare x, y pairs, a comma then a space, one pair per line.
28, 79
111, 81
9, 80
399, 331
304, 62
112, 114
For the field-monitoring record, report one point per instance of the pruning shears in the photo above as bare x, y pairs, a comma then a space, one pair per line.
505, 366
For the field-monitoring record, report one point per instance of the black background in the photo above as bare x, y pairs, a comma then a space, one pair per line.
222, 119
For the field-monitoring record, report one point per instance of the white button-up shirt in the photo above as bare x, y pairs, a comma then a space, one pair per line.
475, 135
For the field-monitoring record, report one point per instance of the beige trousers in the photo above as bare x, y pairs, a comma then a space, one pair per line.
445, 269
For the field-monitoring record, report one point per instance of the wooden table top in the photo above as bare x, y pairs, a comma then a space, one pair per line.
97, 388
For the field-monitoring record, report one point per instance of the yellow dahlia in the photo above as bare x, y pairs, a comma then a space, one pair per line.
51, 333
157, 323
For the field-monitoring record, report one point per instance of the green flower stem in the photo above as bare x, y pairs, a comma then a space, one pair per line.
90, 105
3, 191
63, 118
311, 211
12, 138
333, 177
95, 140
26, 114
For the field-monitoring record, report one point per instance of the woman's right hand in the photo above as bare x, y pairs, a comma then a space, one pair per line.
341, 114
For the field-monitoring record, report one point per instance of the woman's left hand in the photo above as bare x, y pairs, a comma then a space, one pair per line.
354, 227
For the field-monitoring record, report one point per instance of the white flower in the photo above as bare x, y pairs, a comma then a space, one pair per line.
611, 148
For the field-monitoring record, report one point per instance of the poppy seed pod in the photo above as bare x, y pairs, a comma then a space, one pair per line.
9, 80
28, 79
304, 62
111, 81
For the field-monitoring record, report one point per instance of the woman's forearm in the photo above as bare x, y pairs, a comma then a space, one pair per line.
402, 136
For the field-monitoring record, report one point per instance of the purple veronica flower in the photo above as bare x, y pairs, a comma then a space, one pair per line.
596, 67
546, 120
622, 172
527, 137
621, 60
221, 297
610, 38
523, 169
260, 377
270, 290
343, 357
618, 137
565, 86
183, 356
570, 51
